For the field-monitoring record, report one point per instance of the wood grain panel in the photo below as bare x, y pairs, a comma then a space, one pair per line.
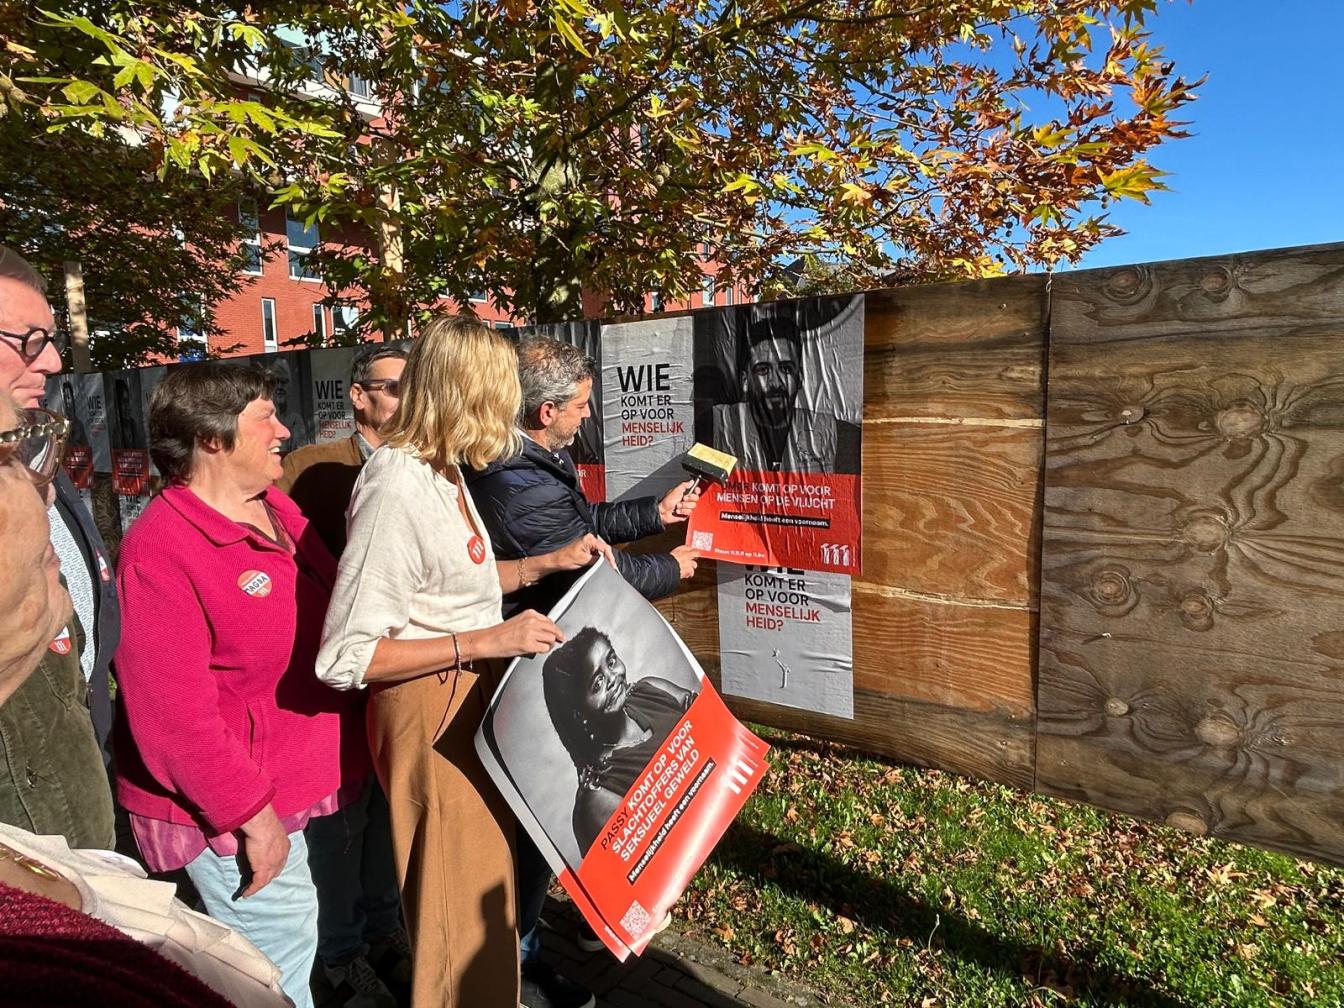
972, 349
977, 658
990, 746
1192, 600
952, 510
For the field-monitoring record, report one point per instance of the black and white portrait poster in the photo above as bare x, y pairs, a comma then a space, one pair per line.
127, 427
80, 398
780, 387
149, 379
618, 757
333, 413
128, 432
648, 416
587, 451
786, 637
290, 394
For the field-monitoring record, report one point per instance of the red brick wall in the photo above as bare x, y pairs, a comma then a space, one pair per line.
240, 316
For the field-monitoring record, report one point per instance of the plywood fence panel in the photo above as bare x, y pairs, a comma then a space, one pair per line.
944, 621
955, 351
1192, 600
950, 510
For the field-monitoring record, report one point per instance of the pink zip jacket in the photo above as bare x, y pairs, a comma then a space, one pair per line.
220, 711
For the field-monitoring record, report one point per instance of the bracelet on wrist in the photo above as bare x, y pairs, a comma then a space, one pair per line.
523, 580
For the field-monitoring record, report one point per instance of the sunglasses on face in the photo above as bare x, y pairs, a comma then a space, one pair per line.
392, 386
31, 344
36, 444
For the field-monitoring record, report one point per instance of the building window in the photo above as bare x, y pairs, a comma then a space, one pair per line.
249, 218
320, 323
499, 324
270, 341
344, 319
656, 301
730, 295
360, 87
302, 241
707, 291
191, 336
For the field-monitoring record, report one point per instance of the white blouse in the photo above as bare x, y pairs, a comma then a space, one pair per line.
407, 571
114, 890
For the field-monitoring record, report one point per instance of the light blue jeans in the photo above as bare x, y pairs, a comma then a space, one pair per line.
281, 920
350, 856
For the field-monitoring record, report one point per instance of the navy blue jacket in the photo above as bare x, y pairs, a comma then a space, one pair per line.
531, 504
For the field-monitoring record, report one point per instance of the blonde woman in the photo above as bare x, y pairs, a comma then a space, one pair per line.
415, 616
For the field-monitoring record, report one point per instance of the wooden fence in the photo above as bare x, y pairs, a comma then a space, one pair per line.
1104, 542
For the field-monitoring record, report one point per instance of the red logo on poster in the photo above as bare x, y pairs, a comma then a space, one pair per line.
79, 465
476, 549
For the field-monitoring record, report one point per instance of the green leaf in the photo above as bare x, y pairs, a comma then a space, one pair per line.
81, 92
566, 31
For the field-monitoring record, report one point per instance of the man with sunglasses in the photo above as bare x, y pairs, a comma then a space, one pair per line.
362, 950
51, 764
321, 477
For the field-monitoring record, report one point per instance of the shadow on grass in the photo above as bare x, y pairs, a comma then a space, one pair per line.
880, 907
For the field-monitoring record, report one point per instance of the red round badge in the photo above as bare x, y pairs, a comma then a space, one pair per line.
476, 549
256, 583
62, 644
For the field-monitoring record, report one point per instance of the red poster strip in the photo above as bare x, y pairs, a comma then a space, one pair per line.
130, 471
670, 820
812, 521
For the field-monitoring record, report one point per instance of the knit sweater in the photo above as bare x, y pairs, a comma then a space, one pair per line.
220, 711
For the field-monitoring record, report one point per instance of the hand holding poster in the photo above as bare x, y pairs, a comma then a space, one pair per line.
618, 757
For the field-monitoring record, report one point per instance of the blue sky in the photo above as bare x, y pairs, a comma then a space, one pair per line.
1265, 166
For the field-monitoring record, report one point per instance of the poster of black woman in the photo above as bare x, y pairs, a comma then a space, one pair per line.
618, 757
780, 387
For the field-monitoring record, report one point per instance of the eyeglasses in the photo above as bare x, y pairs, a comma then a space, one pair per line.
37, 444
35, 340
392, 386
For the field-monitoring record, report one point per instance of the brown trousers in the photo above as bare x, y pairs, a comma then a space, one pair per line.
453, 838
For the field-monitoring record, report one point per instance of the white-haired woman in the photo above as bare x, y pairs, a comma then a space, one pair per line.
415, 616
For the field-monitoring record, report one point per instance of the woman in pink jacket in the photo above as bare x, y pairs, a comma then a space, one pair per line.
233, 743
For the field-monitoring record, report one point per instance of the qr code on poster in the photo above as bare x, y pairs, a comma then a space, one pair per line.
636, 920
702, 540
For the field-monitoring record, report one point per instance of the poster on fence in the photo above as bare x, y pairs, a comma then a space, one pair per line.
780, 387
786, 637
80, 399
149, 379
290, 395
648, 418
333, 413
618, 757
587, 449
126, 428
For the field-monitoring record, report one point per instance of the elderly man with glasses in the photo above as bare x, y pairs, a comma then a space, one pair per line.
53, 732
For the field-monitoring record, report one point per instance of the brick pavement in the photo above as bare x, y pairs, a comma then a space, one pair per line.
674, 972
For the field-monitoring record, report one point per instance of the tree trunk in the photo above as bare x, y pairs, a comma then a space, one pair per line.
78, 316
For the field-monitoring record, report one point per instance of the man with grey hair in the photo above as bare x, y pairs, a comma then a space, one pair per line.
50, 778
532, 504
